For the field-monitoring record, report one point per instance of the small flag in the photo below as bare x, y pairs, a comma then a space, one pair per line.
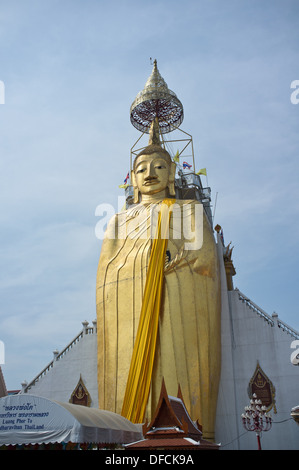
203, 171
186, 165
176, 158
221, 236
126, 184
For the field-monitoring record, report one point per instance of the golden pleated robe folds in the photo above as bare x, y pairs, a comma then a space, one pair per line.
188, 349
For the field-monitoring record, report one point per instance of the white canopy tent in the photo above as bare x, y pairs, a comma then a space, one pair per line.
28, 419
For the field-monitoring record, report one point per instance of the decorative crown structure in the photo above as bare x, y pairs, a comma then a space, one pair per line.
156, 101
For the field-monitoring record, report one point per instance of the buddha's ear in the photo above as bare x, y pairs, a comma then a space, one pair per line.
171, 188
135, 188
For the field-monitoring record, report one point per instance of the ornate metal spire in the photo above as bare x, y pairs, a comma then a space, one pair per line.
156, 101
154, 138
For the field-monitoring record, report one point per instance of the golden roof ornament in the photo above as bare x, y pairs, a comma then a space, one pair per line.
156, 101
154, 136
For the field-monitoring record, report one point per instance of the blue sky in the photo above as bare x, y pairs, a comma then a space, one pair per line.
71, 70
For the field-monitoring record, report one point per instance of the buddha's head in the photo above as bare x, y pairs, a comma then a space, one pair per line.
153, 173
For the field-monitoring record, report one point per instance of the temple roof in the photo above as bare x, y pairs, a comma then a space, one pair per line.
171, 427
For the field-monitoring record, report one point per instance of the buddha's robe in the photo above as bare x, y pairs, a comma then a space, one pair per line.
188, 343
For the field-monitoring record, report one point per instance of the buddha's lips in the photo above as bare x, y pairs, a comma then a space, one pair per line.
148, 183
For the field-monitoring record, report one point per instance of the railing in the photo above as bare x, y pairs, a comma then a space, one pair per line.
60, 355
255, 307
288, 329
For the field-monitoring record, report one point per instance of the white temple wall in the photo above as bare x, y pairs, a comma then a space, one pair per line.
256, 340
226, 426
80, 358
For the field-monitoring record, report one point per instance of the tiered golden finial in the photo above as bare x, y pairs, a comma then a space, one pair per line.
156, 101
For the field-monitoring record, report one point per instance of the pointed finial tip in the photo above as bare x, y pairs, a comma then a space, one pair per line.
153, 62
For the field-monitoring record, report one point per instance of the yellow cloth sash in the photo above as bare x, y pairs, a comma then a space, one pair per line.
140, 373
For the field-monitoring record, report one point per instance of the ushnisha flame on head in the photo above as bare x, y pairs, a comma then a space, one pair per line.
156, 170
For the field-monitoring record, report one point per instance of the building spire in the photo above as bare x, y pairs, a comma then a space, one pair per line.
156, 100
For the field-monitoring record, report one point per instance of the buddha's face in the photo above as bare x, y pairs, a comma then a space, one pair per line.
152, 173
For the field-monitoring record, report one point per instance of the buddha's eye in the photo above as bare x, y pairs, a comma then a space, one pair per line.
141, 170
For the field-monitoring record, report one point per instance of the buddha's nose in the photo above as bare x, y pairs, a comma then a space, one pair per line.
151, 174
150, 177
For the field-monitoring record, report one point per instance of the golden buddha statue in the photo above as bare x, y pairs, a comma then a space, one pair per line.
184, 347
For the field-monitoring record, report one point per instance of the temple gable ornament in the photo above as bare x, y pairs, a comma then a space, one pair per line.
80, 395
264, 389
